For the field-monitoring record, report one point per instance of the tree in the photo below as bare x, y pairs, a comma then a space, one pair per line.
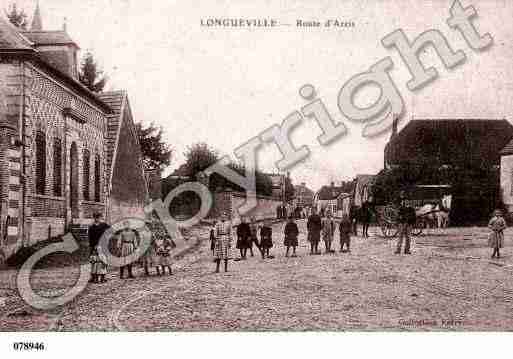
17, 18
200, 156
90, 75
155, 152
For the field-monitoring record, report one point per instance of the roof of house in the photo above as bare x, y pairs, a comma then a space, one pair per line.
58, 37
437, 141
17, 44
116, 101
327, 193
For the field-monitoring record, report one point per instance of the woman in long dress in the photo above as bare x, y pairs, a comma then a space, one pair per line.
223, 246
496, 239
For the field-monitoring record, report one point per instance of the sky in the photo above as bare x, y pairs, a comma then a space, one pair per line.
224, 86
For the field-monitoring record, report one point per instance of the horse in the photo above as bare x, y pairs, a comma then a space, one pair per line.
361, 215
436, 215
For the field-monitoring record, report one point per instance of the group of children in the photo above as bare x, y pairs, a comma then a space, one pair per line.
158, 254
247, 237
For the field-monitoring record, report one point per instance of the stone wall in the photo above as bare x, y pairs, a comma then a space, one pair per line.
229, 201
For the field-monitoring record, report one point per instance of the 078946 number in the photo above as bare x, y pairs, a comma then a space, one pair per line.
28, 346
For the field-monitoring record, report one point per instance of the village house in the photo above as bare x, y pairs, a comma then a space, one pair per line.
303, 196
65, 152
457, 157
327, 199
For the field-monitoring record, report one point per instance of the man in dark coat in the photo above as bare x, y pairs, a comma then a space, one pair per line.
406, 218
314, 226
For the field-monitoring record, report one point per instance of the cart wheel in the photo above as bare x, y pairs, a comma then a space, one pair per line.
389, 229
419, 226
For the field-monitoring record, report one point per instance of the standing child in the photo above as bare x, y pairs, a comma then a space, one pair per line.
223, 233
291, 232
345, 229
98, 266
164, 246
266, 239
328, 230
496, 239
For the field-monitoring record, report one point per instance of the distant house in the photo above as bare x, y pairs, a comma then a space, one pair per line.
303, 196
326, 199
463, 153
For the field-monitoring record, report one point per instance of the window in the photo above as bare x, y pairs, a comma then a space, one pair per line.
97, 182
40, 162
86, 172
57, 168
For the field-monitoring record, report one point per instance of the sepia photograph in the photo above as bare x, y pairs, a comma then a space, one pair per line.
232, 172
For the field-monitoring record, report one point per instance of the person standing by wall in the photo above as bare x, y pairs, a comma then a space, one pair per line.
497, 225
223, 233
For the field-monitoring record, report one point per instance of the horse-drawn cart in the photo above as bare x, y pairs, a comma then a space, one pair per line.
388, 220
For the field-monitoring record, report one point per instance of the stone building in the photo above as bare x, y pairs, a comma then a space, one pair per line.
65, 152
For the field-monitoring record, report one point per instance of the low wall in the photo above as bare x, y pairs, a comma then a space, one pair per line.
230, 201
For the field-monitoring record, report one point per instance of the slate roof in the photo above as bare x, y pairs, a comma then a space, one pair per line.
49, 37
15, 43
115, 100
11, 38
450, 141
